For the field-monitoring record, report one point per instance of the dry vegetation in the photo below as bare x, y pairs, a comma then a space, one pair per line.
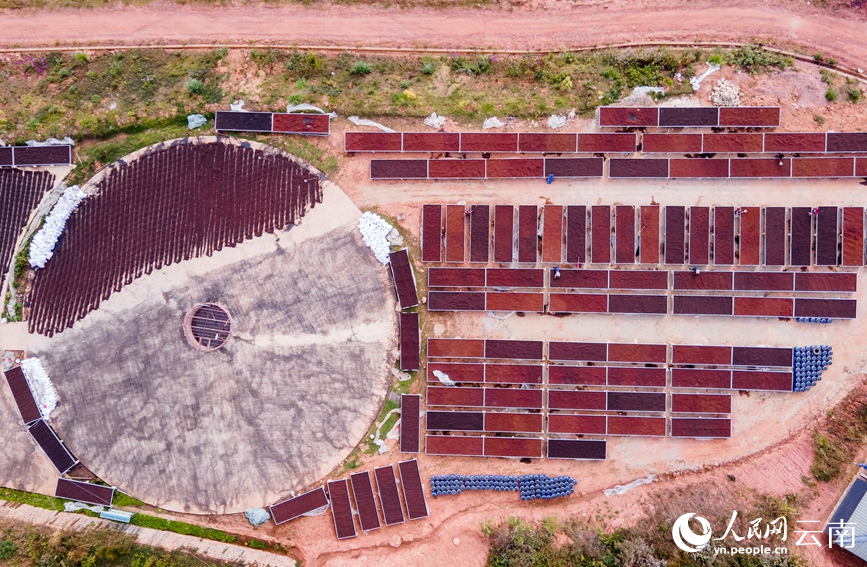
100, 95
113, 103
838, 441
31, 546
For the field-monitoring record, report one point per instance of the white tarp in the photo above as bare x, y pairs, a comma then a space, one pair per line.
44, 241
257, 516
492, 122
40, 384
374, 231
443, 378
76, 506
624, 488
67, 141
696, 81
556, 121
196, 121
306, 107
435, 121
365, 122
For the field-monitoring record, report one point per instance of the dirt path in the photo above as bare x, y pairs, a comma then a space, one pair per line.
550, 25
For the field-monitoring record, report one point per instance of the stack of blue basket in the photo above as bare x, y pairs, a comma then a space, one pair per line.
447, 484
823, 320
542, 486
498, 483
810, 362
530, 486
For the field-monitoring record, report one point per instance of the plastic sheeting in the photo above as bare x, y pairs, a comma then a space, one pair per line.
556, 121
238, 106
43, 243
374, 231
624, 488
67, 141
76, 506
196, 121
435, 121
257, 516
365, 122
444, 378
40, 384
305, 106
696, 81
492, 122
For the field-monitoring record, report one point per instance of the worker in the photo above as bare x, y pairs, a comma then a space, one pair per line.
556, 272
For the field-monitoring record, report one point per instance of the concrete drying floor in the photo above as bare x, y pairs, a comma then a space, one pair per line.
283, 403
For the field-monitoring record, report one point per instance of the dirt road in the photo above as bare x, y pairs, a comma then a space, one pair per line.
550, 24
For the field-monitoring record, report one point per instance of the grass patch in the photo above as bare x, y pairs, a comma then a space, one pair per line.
181, 528
32, 499
373, 448
122, 500
352, 462
100, 95
303, 148
74, 94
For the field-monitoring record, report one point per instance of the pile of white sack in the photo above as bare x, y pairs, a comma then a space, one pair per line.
43, 243
40, 384
725, 93
374, 232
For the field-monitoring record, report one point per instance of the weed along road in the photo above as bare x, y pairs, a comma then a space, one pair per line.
550, 27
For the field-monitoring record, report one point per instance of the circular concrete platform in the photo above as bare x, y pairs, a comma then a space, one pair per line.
281, 404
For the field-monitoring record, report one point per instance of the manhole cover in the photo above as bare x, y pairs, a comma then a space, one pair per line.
208, 326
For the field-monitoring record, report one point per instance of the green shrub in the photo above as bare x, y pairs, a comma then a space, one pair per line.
256, 544
478, 67
7, 549
831, 95
818, 57
195, 86
854, 95
21, 262
307, 64
183, 528
754, 59
715, 58
428, 68
362, 68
